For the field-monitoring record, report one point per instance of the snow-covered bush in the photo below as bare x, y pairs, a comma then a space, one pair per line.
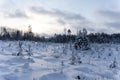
79, 60
30, 54
78, 77
64, 48
29, 51
73, 59
113, 64
20, 49
82, 41
62, 66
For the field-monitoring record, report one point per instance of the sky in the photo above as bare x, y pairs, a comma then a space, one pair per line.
53, 16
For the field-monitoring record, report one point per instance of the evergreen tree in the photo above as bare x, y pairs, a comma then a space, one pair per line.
82, 41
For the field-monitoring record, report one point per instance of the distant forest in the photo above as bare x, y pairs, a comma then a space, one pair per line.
13, 34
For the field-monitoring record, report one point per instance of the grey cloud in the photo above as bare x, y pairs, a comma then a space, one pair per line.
68, 16
113, 25
57, 13
61, 22
109, 14
16, 14
110, 18
40, 10
72, 20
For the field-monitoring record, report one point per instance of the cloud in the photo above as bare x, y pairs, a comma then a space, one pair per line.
16, 14
109, 14
57, 13
113, 25
72, 20
61, 22
110, 19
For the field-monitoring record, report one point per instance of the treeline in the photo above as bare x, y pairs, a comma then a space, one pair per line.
13, 34
59, 38
104, 38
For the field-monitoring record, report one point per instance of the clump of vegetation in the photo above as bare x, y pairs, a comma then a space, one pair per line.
29, 51
82, 41
79, 60
73, 59
30, 54
62, 66
78, 77
20, 51
113, 64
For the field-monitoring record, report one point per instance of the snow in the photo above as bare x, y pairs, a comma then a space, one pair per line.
49, 62
54, 76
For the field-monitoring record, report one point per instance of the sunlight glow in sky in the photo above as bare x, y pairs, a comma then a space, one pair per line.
52, 16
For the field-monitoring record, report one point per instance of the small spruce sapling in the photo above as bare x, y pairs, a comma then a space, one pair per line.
34, 79
113, 64
20, 49
109, 54
9, 45
73, 59
62, 65
29, 51
78, 77
79, 60
64, 49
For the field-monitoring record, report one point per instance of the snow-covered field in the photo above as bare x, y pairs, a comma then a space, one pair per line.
52, 61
